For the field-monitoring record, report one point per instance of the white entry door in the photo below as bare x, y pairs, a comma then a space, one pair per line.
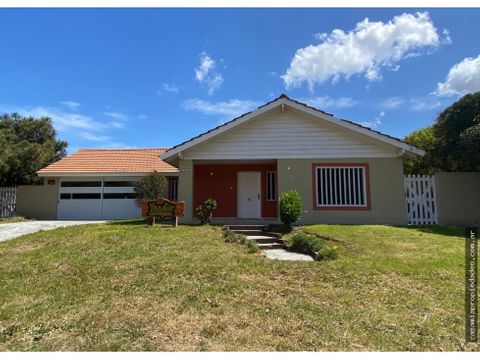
248, 194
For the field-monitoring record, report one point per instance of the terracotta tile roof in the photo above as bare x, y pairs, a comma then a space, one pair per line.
110, 161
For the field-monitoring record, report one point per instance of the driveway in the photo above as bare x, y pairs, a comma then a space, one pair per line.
14, 230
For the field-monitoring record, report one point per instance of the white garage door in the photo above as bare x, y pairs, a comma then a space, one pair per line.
119, 200
97, 198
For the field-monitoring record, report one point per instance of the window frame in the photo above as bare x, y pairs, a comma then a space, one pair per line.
81, 183
172, 180
267, 184
315, 189
119, 196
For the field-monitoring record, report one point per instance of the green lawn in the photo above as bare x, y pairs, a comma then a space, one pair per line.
128, 286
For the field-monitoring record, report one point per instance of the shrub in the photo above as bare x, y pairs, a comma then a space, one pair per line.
232, 237
313, 246
151, 187
229, 235
327, 253
291, 207
306, 244
252, 246
204, 212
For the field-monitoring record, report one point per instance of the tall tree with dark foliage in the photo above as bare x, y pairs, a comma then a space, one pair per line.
27, 144
452, 143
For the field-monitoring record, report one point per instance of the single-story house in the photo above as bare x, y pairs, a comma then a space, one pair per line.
345, 172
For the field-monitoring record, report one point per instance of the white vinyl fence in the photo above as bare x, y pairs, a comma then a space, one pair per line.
421, 199
8, 200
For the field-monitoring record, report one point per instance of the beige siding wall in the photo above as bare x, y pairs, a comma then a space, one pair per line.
38, 202
386, 191
289, 134
185, 188
458, 197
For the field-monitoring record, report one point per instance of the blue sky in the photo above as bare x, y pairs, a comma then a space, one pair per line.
155, 77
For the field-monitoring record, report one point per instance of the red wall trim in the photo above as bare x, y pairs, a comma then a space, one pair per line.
356, 208
220, 182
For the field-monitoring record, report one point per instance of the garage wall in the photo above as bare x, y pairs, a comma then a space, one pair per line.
185, 189
458, 197
38, 201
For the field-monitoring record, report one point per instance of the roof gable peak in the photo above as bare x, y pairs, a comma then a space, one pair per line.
284, 99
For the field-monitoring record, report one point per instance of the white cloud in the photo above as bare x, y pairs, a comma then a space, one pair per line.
94, 137
422, 103
327, 102
375, 123
115, 145
462, 78
207, 75
393, 102
231, 108
367, 49
119, 119
63, 121
69, 124
72, 105
169, 88
115, 115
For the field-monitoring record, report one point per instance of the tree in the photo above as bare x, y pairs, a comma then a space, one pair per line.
457, 135
425, 140
28, 144
452, 143
151, 187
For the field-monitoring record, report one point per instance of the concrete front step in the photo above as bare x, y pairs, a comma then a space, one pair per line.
269, 246
264, 239
258, 233
249, 232
247, 227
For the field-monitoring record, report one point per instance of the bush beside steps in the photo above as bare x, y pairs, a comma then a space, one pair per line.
313, 246
232, 237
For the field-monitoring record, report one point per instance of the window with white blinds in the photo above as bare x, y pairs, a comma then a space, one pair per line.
341, 186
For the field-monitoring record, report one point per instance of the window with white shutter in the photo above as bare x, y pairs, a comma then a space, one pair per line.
342, 186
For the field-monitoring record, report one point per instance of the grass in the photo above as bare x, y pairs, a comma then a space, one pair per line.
12, 219
128, 286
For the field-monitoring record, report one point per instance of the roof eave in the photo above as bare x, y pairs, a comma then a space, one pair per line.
105, 174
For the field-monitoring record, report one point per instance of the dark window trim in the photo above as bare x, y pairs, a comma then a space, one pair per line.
86, 183
119, 196
119, 183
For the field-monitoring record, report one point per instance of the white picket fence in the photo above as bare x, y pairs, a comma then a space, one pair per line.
8, 201
421, 199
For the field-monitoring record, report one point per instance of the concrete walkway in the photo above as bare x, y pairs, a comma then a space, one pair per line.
14, 230
280, 254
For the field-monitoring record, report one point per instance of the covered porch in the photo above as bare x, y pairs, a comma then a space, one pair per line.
245, 191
